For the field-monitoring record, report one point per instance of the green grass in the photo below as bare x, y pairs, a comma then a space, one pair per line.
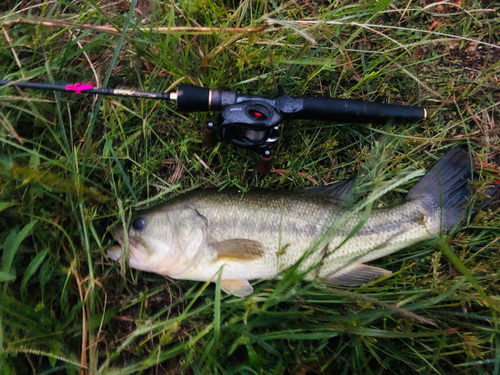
73, 166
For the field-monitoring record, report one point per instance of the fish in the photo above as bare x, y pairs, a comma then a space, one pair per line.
204, 232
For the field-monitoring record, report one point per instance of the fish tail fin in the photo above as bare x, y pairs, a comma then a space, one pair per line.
445, 187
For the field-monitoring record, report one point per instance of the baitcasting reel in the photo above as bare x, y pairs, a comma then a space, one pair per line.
253, 121
253, 125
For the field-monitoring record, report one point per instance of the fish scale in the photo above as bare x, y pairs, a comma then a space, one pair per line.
280, 222
261, 233
296, 236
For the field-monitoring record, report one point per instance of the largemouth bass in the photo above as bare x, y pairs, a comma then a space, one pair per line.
201, 233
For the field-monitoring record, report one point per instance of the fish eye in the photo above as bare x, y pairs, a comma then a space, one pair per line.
139, 224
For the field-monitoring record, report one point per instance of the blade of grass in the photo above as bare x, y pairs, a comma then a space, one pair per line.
446, 249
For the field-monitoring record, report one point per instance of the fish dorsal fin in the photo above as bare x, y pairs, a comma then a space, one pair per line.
357, 276
237, 287
238, 250
340, 192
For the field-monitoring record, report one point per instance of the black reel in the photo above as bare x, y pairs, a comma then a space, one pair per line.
253, 125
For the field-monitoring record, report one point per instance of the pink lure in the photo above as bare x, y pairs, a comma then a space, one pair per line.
78, 87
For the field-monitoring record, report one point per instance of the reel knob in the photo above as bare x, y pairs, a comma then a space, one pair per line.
265, 162
209, 136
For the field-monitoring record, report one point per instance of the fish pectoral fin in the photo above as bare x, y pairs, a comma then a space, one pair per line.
237, 287
357, 276
238, 250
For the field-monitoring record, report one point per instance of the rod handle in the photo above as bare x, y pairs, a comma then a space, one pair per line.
347, 110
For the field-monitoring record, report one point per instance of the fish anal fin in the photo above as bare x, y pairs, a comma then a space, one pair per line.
237, 287
238, 250
357, 276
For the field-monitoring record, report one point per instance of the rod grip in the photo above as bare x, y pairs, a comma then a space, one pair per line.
346, 110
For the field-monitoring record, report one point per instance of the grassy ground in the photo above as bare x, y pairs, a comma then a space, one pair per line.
73, 166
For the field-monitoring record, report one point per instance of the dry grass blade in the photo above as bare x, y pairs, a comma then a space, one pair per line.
395, 309
160, 30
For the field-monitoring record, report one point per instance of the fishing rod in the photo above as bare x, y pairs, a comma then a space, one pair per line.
252, 121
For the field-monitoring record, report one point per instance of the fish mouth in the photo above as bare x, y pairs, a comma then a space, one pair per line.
117, 233
138, 256
137, 247
115, 252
